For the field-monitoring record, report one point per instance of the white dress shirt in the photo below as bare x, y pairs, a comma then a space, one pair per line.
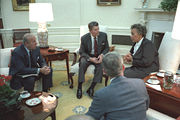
137, 45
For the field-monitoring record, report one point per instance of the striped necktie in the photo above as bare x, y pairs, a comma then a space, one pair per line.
95, 47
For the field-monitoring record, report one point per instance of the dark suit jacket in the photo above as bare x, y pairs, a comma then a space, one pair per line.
146, 57
20, 64
124, 99
86, 44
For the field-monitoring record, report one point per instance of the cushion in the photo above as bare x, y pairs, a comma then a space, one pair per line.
10, 58
4, 71
5, 56
155, 115
75, 69
169, 53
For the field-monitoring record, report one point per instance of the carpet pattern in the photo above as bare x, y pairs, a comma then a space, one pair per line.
68, 104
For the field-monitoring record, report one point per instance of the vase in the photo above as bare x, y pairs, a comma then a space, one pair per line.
145, 3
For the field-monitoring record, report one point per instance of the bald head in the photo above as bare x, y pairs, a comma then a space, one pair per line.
29, 40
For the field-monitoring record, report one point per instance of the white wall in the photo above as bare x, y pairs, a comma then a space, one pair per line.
70, 14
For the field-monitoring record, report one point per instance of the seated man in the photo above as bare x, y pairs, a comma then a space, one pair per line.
93, 46
143, 54
124, 99
27, 65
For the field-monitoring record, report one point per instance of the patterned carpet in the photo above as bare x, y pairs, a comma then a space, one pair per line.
68, 104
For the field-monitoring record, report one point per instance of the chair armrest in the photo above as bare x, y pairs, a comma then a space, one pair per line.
74, 58
76, 54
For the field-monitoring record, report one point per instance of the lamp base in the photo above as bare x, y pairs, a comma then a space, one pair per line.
43, 39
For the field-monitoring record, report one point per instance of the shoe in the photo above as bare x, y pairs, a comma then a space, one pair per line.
79, 93
90, 92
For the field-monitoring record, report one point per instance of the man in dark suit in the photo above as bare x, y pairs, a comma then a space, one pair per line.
27, 65
143, 54
124, 99
93, 46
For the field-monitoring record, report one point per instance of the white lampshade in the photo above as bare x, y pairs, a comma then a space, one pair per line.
40, 12
176, 30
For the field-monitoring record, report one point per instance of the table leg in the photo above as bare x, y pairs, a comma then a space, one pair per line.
67, 65
53, 115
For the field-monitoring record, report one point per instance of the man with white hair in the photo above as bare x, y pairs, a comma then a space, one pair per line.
124, 99
26, 64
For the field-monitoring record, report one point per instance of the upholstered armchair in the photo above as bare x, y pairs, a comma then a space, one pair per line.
169, 53
75, 65
5, 64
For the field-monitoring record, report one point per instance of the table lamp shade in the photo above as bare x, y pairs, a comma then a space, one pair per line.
176, 30
40, 12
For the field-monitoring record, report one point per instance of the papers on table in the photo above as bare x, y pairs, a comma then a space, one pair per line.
157, 87
29, 75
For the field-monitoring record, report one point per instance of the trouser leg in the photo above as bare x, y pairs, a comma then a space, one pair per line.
98, 73
83, 64
28, 83
47, 81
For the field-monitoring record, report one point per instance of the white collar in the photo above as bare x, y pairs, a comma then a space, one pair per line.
27, 49
139, 43
92, 37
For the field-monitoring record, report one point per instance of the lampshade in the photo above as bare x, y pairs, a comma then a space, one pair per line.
176, 30
40, 12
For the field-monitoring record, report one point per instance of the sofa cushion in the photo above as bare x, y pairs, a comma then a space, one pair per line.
5, 57
75, 69
4, 71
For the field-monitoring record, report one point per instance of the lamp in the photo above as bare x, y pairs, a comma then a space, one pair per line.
176, 31
41, 13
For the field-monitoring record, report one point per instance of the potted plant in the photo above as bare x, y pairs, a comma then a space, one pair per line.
169, 5
9, 99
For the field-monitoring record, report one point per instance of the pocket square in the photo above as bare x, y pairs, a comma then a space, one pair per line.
103, 43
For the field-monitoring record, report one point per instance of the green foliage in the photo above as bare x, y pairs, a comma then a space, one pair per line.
8, 98
169, 5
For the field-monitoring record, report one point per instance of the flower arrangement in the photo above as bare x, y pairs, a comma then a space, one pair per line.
8, 97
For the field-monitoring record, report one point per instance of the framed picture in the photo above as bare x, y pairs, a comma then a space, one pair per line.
21, 5
108, 2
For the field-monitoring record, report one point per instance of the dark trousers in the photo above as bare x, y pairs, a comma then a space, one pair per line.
133, 72
28, 82
83, 65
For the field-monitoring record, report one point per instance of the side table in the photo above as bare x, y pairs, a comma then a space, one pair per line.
38, 112
57, 55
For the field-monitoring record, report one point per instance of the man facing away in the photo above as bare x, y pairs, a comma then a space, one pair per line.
124, 99
93, 46
27, 64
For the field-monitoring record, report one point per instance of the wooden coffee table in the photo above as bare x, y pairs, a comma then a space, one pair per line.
38, 112
56, 55
165, 101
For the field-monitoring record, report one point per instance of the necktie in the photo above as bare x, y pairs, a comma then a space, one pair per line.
30, 58
95, 47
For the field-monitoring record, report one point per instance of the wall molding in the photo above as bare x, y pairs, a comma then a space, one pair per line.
67, 37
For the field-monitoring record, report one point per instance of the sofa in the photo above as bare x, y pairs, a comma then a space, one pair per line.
4, 60
5, 56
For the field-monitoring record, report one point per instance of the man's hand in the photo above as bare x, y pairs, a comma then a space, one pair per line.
100, 57
93, 59
45, 70
127, 58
